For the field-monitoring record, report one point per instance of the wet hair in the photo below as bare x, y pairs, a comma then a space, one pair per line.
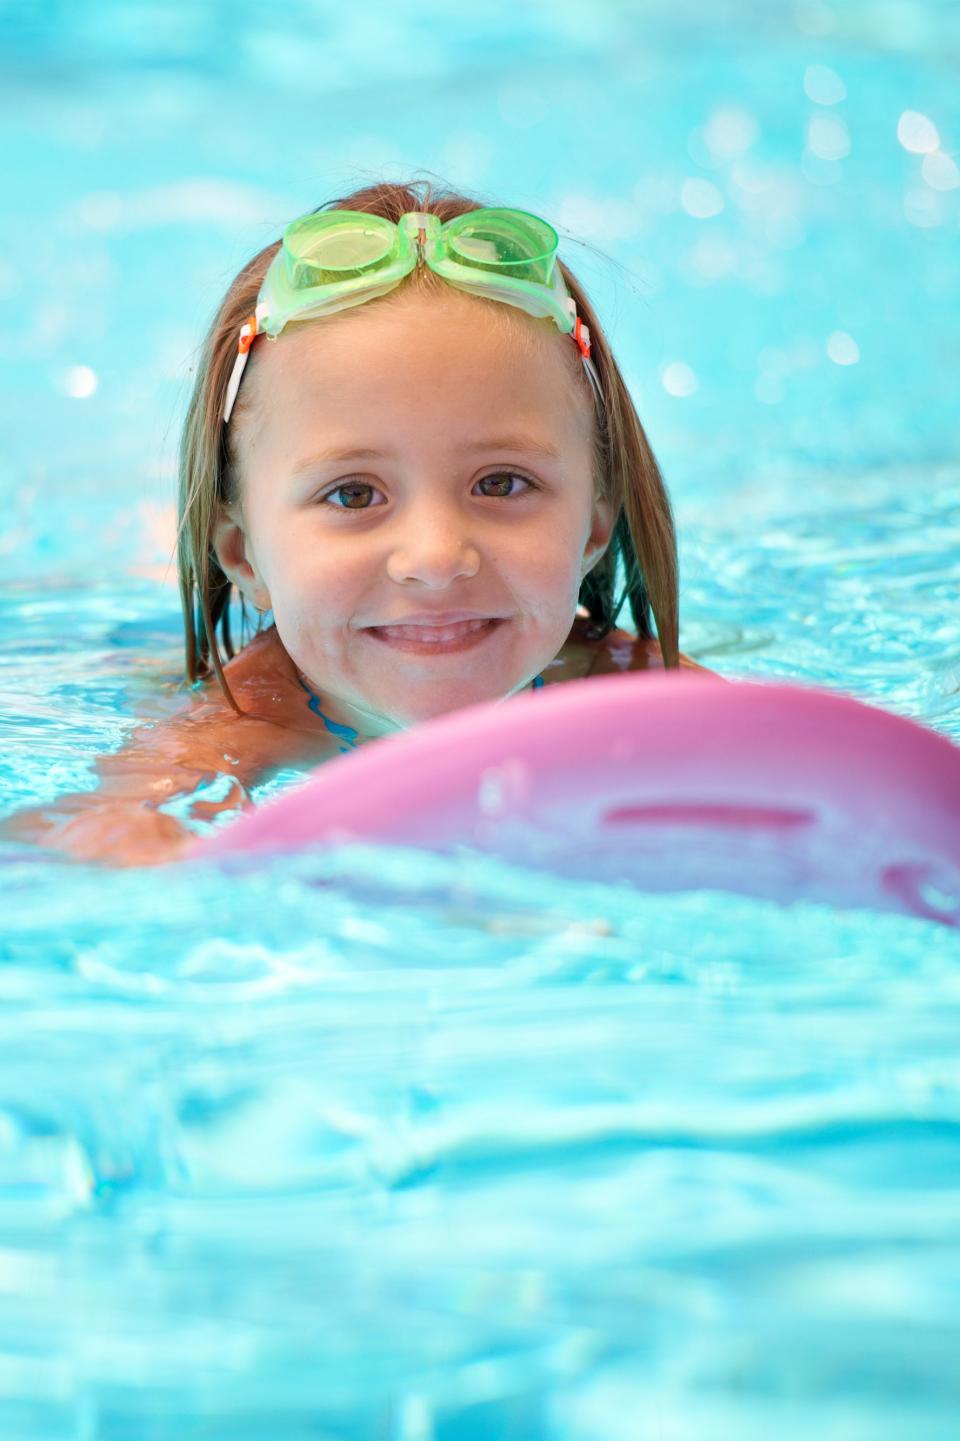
639, 567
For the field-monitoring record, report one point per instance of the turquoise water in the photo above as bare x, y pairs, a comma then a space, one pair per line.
377, 1145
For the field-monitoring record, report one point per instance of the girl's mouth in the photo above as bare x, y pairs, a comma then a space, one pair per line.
435, 639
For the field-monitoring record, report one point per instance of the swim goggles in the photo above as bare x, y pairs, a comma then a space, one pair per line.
333, 259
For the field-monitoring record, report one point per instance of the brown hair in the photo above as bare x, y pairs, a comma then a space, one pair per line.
625, 469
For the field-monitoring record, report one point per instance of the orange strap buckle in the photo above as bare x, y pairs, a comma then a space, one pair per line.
582, 336
248, 334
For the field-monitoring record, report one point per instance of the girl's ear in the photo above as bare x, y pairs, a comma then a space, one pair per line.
602, 522
237, 561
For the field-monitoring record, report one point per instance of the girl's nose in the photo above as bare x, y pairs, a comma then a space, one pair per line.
434, 550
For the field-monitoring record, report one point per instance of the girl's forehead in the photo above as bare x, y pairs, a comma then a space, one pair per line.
414, 332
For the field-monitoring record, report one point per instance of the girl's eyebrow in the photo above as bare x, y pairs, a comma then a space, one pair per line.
526, 444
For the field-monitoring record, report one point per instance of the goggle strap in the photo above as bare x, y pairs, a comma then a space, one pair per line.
236, 375
594, 380
248, 334
581, 338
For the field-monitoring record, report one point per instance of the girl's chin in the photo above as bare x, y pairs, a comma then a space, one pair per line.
447, 699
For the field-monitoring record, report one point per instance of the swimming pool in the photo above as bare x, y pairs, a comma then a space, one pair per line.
375, 1145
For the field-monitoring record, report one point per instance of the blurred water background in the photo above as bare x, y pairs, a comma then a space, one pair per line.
376, 1146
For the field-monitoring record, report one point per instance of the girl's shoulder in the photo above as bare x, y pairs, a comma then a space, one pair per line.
265, 685
264, 682
615, 653
262, 661
266, 732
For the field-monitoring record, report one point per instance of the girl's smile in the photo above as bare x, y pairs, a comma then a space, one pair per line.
424, 638
416, 502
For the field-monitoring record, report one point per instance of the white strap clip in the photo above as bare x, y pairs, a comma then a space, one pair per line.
248, 333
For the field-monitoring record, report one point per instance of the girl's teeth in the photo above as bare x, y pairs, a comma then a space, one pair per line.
433, 633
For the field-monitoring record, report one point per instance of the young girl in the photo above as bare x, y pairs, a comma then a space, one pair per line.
410, 451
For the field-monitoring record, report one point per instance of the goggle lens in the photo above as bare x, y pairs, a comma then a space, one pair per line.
321, 250
515, 244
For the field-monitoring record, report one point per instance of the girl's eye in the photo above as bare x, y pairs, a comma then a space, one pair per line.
505, 477
355, 494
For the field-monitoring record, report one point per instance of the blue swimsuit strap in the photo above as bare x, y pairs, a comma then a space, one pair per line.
348, 739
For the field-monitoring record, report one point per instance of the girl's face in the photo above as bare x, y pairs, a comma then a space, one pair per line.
406, 462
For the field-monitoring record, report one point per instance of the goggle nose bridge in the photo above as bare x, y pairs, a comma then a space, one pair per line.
423, 230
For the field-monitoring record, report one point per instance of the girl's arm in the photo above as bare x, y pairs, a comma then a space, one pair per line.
124, 821
193, 765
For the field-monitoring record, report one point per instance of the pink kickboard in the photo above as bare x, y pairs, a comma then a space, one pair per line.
665, 782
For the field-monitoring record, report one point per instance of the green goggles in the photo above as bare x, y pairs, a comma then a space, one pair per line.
333, 259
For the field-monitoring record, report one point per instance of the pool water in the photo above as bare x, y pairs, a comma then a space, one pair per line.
567, 1162
376, 1144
